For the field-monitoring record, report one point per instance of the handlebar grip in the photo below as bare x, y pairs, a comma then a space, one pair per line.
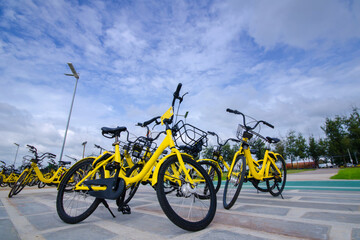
149, 121
177, 91
211, 133
138, 124
268, 124
233, 111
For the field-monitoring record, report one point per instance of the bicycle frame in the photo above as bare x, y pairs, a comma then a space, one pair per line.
56, 178
260, 174
168, 142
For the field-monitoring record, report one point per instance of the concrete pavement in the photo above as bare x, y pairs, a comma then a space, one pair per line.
303, 214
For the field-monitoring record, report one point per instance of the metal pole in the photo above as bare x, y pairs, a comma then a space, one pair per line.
84, 144
16, 153
72, 103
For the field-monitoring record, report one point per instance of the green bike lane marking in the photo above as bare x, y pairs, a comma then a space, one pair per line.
340, 185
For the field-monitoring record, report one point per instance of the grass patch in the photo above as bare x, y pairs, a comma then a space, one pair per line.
348, 173
289, 171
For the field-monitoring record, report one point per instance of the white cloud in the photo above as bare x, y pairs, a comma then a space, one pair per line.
289, 63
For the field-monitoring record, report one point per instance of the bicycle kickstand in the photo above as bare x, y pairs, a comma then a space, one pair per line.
107, 206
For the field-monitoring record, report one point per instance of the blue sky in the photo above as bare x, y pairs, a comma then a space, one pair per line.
291, 63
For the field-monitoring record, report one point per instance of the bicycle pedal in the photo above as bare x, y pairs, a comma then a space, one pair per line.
125, 209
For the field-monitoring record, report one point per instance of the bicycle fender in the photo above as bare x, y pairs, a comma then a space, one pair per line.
157, 168
208, 160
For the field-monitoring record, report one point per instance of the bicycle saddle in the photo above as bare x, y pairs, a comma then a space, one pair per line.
113, 131
272, 140
64, 162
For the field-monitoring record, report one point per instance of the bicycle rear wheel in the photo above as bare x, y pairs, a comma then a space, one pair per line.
213, 172
234, 183
74, 206
190, 207
277, 185
20, 183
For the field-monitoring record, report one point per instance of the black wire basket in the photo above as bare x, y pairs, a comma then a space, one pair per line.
142, 148
188, 135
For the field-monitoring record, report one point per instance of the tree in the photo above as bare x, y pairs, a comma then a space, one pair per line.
337, 139
316, 149
259, 145
353, 129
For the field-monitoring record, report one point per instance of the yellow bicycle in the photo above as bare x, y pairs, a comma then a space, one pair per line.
191, 206
271, 169
8, 175
32, 167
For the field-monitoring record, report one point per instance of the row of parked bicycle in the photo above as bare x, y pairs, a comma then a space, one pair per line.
185, 186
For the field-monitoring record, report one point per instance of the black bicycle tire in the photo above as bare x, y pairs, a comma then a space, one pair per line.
168, 210
41, 184
273, 193
59, 199
18, 187
238, 189
255, 183
218, 173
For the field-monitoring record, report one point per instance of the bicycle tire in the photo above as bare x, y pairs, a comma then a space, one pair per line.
74, 175
233, 185
256, 183
172, 203
213, 172
41, 184
273, 184
19, 184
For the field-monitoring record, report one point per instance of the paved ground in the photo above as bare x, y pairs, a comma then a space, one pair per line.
303, 214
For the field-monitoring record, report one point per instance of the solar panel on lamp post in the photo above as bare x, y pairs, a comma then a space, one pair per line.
76, 75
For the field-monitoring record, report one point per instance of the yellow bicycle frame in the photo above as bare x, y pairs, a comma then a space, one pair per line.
168, 142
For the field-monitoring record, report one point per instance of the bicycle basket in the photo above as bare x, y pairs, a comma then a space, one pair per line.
142, 148
189, 135
240, 131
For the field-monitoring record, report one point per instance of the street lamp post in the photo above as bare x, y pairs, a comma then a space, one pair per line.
76, 75
84, 144
16, 152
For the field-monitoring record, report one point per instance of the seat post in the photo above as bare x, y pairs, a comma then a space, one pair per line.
117, 149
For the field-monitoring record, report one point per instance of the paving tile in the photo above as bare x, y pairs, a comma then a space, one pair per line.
7, 230
297, 204
228, 235
276, 226
355, 235
46, 221
30, 208
331, 200
333, 217
263, 210
3, 213
81, 232
144, 222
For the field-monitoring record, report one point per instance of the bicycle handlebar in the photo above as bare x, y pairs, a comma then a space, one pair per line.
218, 139
176, 94
146, 123
247, 127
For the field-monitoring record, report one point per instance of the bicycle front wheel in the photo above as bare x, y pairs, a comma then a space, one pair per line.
234, 183
19, 184
189, 206
72, 205
277, 184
